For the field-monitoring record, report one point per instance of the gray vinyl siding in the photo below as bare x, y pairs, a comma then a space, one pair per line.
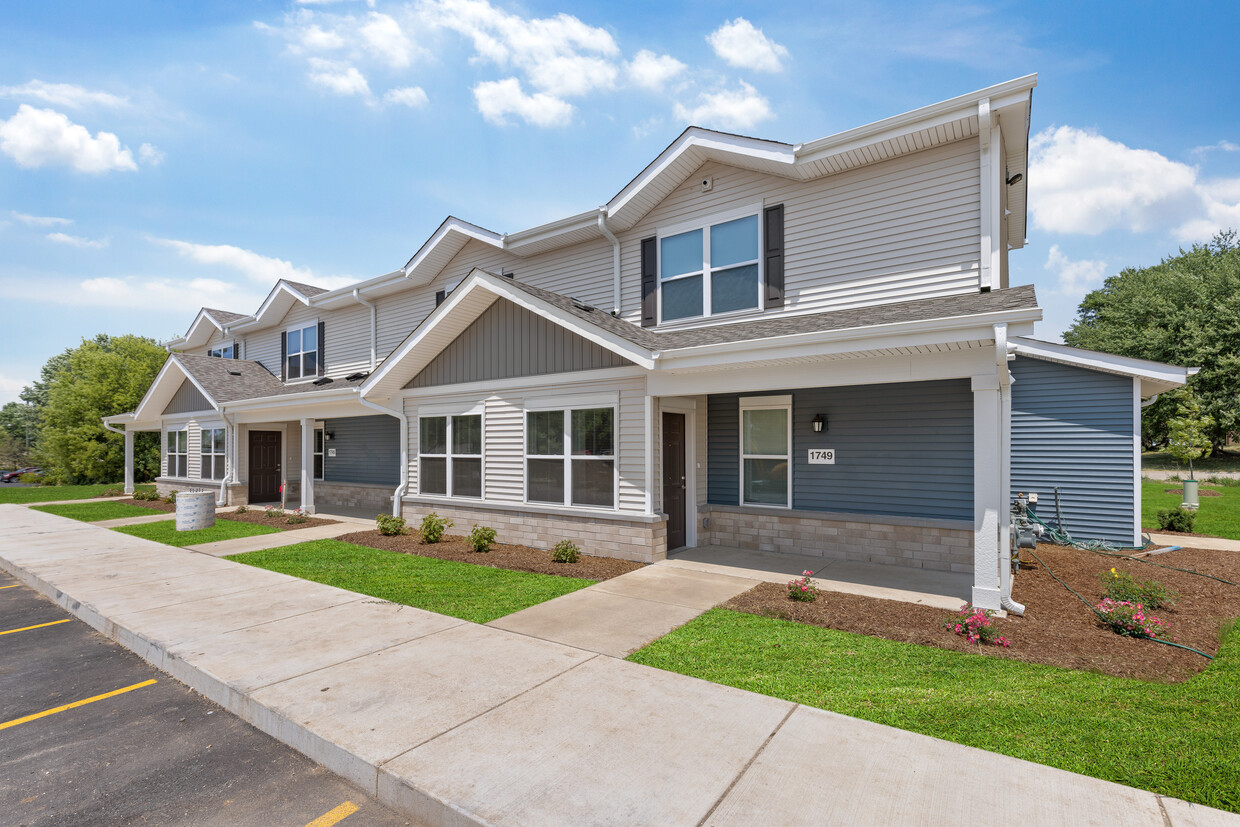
901, 449
509, 341
1073, 428
187, 399
367, 450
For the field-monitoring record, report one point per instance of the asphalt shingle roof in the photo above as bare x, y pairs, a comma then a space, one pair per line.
306, 290
230, 380
224, 316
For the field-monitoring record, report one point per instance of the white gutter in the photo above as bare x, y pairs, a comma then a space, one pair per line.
615, 259
374, 330
399, 413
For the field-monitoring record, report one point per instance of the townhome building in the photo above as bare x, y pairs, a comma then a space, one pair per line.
795, 348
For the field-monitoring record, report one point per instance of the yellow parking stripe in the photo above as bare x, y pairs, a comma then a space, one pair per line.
14, 586
335, 816
75, 704
36, 626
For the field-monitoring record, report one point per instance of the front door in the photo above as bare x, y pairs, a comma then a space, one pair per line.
264, 466
674, 493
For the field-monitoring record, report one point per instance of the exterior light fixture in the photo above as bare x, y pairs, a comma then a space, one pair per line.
1015, 179
820, 423
329, 435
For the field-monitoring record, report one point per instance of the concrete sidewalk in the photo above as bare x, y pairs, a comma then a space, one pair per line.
456, 723
1216, 543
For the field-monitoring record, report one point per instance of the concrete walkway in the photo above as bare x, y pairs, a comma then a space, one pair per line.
241, 545
456, 723
1155, 474
1216, 543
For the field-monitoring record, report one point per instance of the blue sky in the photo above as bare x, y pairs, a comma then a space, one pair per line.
154, 154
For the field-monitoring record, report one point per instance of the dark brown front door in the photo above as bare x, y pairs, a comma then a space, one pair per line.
674, 478
264, 466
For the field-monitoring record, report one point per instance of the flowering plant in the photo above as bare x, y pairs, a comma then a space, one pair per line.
298, 516
977, 626
1131, 619
1120, 585
803, 589
273, 511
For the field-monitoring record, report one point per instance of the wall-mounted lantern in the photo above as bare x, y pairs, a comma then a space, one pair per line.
820, 423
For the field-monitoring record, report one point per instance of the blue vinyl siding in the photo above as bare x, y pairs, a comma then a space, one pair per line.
367, 450
901, 449
1073, 428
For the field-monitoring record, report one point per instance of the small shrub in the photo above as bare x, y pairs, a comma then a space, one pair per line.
1131, 619
31, 479
433, 527
1123, 587
113, 492
145, 496
241, 509
803, 589
977, 626
273, 512
1176, 519
481, 538
390, 526
565, 551
297, 517
171, 498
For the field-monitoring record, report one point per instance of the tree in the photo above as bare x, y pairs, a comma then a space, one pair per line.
1187, 439
1185, 311
102, 377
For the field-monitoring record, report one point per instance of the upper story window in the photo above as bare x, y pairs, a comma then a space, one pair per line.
222, 351
710, 270
302, 352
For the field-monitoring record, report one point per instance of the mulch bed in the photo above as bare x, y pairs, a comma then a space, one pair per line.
1056, 629
501, 556
1201, 492
260, 517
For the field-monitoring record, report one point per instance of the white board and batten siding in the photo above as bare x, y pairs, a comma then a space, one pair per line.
503, 429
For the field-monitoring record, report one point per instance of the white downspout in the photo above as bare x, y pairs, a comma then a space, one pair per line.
1002, 354
230, 465
399, 413
374, 326
615, 259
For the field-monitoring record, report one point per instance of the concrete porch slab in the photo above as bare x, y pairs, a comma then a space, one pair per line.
677, 587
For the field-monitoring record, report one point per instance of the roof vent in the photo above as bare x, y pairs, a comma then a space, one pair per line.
353, 377
323, 381
580, 305
234, 373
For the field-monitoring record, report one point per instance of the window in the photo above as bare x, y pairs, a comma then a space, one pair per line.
222, 352
570, 457
450, 455
212, 454
318, 453
766, 451
178, 453
710, 270
303, 352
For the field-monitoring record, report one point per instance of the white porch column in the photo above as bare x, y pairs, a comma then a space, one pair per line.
989, 494
128, 460
307, 465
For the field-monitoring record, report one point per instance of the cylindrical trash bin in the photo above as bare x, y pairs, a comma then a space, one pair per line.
195, 510
1190, 493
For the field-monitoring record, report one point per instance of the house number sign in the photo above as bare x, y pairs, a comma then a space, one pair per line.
822, 456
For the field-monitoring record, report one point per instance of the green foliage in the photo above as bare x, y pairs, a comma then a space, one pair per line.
13, 452
390, 526
93, 512
297, 517
1184, 310
433, 527
481, 538
8, 494
803, 589
565, 551
241, 509
1176, 519
102, 377
30, 479
165, 531
1122, 586
171, 498
1187, 437
146, 494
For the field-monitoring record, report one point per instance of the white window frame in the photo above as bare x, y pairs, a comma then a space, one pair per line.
762, 403
170, 454
319, 450
566, 407
301, 364
203, 456
436, 412
707, 271
218, 351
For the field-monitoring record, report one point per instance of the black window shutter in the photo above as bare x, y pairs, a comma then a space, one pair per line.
322, 358
650, 282
440, 295
236, 350
283, 356
773, 230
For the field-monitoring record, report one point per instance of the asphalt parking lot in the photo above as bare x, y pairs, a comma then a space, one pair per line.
90, 734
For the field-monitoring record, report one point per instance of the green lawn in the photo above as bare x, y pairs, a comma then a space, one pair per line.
93, 512
1217, 516
166, 532
1173, 739
1230, 461
470, 592
43, 494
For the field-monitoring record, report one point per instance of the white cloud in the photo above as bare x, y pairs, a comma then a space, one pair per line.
386, 39
1074, 278
10, 388
338, 77
35, 137
77, 241
41, 220
1084, 183
739, 108
411, 96
651, 71
261, 269
1224, 146
742, 45
62, 94
151, 155
314, 37
499, 98
161, 293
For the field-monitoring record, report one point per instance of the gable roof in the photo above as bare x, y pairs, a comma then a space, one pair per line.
1155, 377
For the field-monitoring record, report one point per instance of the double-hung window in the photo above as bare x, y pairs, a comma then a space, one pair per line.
766, 450
571, 457
212, 455
178, 453
223, 351
303, 352
711, 270
450, 455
